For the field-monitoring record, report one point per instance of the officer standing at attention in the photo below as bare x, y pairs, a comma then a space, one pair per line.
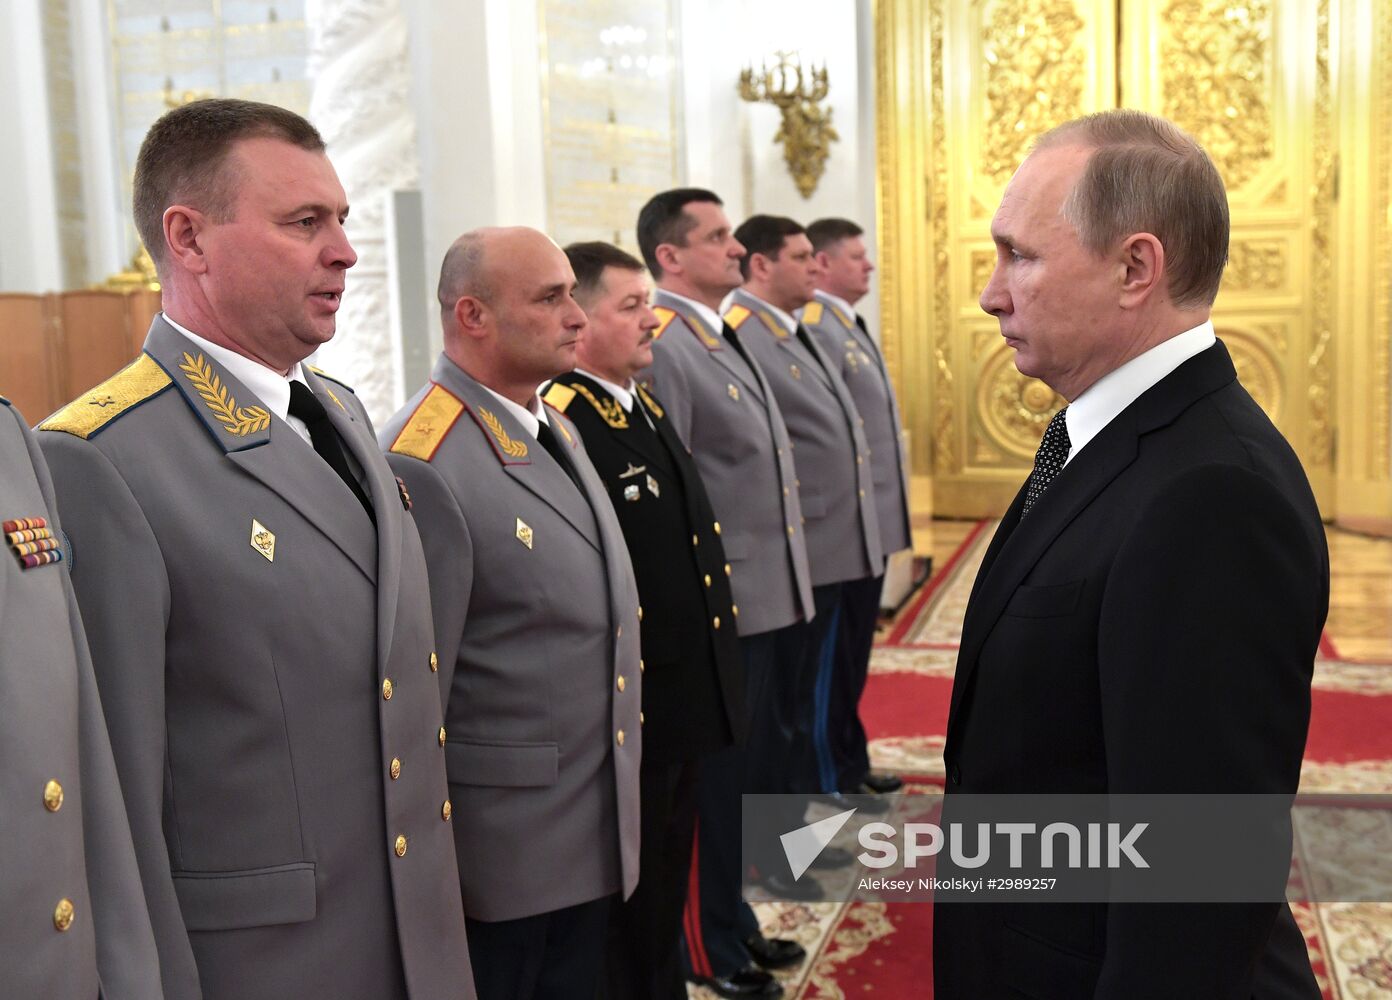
832, 460
536, 622
693, 679
843, 279
723, 409
256, 598
61, 813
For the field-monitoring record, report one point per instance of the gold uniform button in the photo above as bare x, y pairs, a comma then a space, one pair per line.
642, 719
785, 491
642, 667
862, 494
619, 633
859, 460
63, 914
790, 531
53, 796
622, 683
707, 579
619, 737
734, 610
716, 621
695, 541
387, 689
395, 768
640, 612
434, 663
728, 571
717, 527
400, 845
442, 736
446, 811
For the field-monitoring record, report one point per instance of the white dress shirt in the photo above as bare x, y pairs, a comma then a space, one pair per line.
1103, 401
269, 386
789, 323
835, 300
704, 311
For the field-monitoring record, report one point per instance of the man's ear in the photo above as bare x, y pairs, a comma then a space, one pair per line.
759, 266
822, 259
666, 255
470, 314
183, 229
1142, 263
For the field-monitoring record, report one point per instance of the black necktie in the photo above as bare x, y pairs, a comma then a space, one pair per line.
860, 322
548, 440
1048, 460
306, 406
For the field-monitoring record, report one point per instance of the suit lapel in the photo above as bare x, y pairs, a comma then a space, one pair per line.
381, 488
264, 446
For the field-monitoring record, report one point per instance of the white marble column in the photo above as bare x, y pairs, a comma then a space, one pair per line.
360, 101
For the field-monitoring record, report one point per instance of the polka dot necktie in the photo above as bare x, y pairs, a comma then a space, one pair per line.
1048, 460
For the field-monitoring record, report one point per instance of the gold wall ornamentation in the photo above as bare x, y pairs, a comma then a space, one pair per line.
1319, 440
1214, 61
945, 454
983, 262
1256, 266
805, 131
1381, 464
1014, 408
1034, 76
1257, 368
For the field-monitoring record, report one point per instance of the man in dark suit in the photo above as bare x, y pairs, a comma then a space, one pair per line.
1146, 618
693, 680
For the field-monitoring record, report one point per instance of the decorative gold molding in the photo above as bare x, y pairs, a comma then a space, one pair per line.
806, 132
139, 274
1213, 61
1319, 440
1382, 251
1256, 266
945, 455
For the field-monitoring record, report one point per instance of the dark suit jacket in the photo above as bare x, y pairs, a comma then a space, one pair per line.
1150, 627
693, 691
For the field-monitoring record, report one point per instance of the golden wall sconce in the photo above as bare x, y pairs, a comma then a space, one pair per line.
806, 132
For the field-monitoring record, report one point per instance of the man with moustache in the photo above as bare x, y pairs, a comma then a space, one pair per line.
723, 409
693, 680
255, 595
75, 922
832, 458
843, 279
1146, 617
536, 622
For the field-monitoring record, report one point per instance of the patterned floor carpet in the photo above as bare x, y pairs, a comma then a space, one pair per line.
865, 949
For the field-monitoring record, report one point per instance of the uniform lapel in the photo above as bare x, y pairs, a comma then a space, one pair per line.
723, 355
264, 446
381, 488
533, 469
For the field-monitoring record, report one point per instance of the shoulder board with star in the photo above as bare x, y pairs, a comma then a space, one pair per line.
812, 312
736, 316
98, 408
332, 378
664, 317
428, 424
559, 396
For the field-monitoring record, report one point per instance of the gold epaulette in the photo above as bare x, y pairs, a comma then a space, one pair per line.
140, 380
736, 316
651, 403
812, 312
608, 409
559, 396
665, 317
428, 424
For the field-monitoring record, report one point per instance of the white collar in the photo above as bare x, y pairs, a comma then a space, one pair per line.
623, 395
1104, 400
837, 303
704, 311
531, 422
788, 323
268, 385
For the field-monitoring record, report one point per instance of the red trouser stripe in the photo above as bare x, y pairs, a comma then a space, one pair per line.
691, 918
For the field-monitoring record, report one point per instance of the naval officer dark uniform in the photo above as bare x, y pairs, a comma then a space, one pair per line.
693, 683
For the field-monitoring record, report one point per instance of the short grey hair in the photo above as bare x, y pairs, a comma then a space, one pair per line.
463, 273
1147, 175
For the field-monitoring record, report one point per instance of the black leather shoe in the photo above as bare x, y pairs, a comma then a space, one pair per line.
804, 890
882, 784
867, 804
832, 858
747, 982
774, 953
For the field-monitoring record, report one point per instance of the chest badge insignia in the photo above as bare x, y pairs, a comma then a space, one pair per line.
633, 470
797, 372
262, 540
631, 493
733, 390
524, 533
653, 488
32, 541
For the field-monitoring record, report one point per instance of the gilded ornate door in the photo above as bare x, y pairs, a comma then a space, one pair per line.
965, 85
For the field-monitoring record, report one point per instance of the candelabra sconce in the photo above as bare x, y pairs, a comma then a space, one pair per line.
806, 132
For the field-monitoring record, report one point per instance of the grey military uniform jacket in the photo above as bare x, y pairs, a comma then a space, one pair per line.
537, 626
862, 367
722, 407
265, 659
72, 915
832, 458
